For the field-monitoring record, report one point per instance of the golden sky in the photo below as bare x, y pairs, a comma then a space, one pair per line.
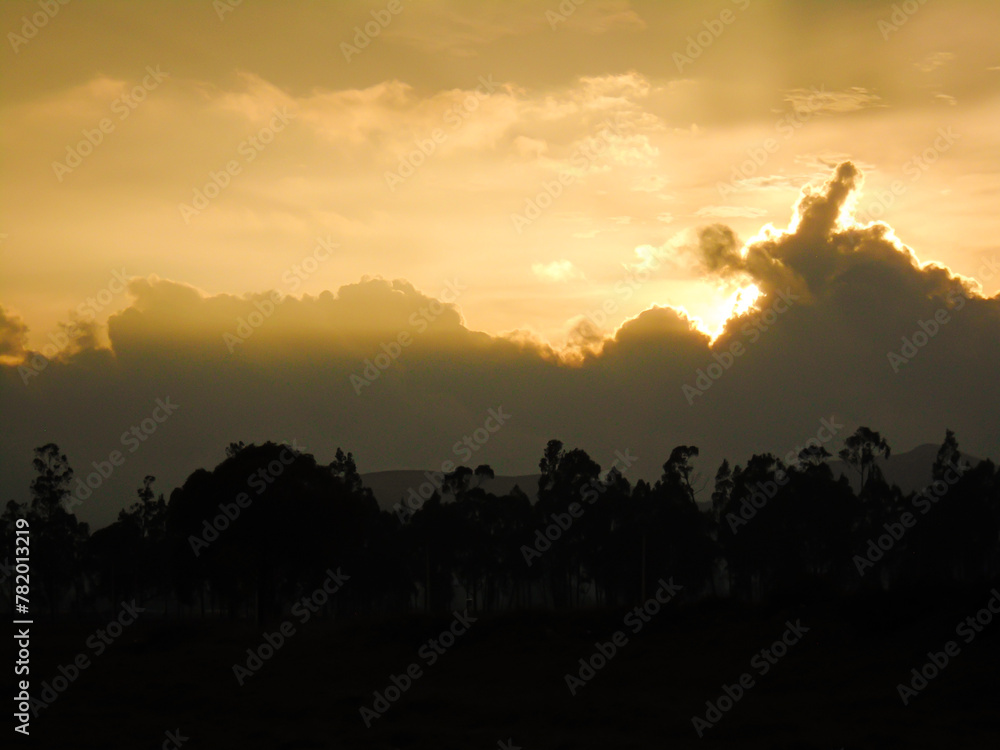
518, 93
572, 198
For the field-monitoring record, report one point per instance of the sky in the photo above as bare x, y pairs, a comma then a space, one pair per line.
564, 210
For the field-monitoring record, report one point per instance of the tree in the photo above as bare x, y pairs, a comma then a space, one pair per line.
723, 489
674, 536
677, 470
144, 527
147, 516
948, 457
813, 456
568, 477
233, 448
52, 485
860, 452
57, 536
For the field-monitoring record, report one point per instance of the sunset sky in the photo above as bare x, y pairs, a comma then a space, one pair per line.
558, 176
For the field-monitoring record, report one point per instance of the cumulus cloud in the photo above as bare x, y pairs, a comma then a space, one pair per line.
853, 295
168, 312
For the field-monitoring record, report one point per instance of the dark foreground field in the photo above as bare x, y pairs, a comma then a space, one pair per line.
505, 680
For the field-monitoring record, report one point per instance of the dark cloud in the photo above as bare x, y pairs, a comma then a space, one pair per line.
837, 300
13, 335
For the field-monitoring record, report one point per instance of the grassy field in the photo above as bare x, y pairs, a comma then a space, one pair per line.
504, 679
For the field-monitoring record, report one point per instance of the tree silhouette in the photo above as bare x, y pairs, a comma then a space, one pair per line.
860, 451
251, 536
57, 536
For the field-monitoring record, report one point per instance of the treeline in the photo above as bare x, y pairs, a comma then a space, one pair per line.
264, 527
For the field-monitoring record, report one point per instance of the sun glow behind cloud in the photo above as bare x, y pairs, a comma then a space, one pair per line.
682, 139
736, 304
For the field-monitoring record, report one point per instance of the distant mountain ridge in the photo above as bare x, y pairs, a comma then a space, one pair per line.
911, 471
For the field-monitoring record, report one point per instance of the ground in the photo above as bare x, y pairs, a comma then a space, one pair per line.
504, 680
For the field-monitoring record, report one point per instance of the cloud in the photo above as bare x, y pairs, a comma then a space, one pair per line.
729, 212
13, 336
194, 322
603, 16
603, 92
857, 294
557, 270
465, 31
935, 61
768, 182
442, 29
820, 101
